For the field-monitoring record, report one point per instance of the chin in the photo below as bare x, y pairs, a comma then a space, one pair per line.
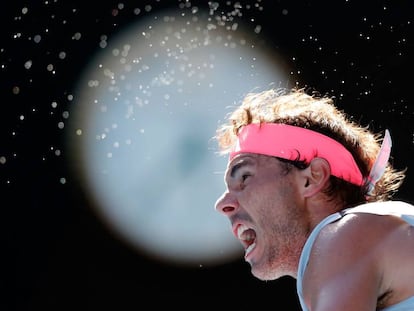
266, 274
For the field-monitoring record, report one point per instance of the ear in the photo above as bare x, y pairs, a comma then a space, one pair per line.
316, 176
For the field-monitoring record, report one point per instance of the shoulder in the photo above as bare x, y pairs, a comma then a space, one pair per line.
360, 250
357, 233
365, 225
343, 260
353, 231
383, 208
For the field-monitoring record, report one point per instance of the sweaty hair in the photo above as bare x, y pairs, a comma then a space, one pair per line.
318, 113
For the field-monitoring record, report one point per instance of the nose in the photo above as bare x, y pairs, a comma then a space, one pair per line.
226, 204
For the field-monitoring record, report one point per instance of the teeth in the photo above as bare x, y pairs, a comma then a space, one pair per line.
249, 249
240, 231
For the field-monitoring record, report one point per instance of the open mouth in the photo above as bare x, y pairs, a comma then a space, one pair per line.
247, 237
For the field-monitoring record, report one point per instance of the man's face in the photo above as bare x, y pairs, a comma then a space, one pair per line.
264, 207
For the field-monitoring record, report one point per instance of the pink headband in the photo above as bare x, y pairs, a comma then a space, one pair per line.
297, 143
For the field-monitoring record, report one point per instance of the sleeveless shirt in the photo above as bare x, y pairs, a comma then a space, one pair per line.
397, 208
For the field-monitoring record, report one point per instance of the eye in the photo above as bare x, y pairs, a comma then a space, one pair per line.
244, 180
245, 176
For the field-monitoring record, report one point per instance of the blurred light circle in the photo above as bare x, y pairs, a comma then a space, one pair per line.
141, 129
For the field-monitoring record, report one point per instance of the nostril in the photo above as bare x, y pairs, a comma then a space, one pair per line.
226, 203
227, 209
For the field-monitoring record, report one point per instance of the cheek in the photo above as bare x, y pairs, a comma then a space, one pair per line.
282, 198
282, 190
267, 198
271, 196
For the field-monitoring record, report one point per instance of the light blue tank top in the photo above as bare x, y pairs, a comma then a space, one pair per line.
397, 208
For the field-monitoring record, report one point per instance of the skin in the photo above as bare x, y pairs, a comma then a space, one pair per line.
361, 262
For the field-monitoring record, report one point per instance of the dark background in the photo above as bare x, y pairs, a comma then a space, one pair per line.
57, 254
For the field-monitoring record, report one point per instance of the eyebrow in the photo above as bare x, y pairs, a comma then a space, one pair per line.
238, 166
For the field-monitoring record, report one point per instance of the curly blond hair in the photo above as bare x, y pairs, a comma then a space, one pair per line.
318, 113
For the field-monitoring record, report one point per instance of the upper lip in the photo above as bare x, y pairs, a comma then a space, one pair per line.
235, 229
